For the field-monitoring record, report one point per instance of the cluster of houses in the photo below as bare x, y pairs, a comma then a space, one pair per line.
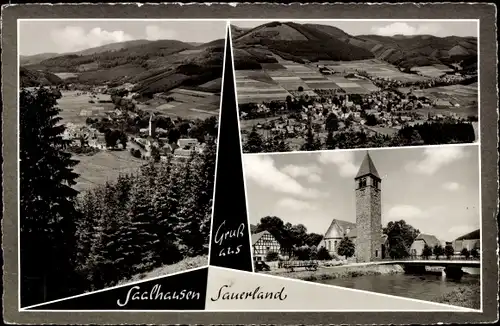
264, 242
147, 141
150, 141
401, 113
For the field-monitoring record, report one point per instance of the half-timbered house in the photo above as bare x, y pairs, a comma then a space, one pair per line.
263, 243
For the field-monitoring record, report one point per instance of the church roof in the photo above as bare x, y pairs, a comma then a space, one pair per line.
342, 225
367, 167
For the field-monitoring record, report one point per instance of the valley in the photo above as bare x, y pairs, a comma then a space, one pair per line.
311, 86
94, 84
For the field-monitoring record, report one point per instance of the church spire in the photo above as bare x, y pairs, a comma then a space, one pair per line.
367, 168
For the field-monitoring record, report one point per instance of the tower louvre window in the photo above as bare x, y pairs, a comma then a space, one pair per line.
362, 182
375, 183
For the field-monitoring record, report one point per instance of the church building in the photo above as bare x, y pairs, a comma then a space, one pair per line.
366, 233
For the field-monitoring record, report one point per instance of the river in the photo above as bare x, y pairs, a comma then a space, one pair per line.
429, 287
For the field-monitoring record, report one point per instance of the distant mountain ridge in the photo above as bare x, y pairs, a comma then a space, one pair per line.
315, 42
153, 66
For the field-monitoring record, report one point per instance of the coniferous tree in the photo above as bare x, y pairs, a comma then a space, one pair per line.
167, 198
330, 142
141, 226
254, 142
189, 213
206, 179
47, 207
312, 143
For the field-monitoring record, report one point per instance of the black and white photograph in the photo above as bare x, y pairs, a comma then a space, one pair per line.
118, 126
344, 84
402, 222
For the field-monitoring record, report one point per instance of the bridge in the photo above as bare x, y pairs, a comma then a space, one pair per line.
416, 265
432, 262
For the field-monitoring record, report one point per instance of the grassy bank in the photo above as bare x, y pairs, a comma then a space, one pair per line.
183, 265
463, 296
339, 272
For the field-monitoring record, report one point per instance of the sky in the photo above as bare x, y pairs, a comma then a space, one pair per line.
71, 35
434, 189
390, 28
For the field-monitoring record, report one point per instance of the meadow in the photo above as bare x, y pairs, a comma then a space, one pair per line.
187, 104
432, 71
463, 98
72, 104
65, 75
373, 67
103, 166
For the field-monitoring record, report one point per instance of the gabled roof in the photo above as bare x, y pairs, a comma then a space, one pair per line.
367, 168
256, 236
342, 225
471, 236
430, 240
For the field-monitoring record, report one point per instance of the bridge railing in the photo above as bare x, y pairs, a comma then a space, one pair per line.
443, 258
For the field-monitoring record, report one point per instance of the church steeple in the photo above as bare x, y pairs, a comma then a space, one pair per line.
368, 212
367, 168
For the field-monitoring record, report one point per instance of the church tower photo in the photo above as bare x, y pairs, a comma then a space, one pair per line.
368, 242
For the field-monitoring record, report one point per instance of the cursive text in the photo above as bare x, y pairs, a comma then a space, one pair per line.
155, 293
256, 294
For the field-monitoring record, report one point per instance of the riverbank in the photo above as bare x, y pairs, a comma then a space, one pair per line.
463, 296
346, 271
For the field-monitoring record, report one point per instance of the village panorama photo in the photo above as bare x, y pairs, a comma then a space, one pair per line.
118, 125
403, 222
342, 84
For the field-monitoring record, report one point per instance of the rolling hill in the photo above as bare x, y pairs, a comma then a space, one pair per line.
236, 31
36, 58
152, 66
33, 78
314, 42
300, 43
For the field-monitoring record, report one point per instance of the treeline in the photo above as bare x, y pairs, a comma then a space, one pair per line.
420, 134
34, 78
156, 217
69, 243
291, 237
143, 67
138, 54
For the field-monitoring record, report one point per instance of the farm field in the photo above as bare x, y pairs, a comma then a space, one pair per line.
373, 67
278, 80
103, 166
432, 71
76, 108
466, 97
187, 104
65, 75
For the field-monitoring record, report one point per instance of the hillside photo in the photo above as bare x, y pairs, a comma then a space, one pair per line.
306, 86
118, 143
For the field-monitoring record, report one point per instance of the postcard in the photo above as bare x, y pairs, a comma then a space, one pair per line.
212, 164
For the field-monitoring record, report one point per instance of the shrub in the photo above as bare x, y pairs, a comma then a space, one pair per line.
272, 256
